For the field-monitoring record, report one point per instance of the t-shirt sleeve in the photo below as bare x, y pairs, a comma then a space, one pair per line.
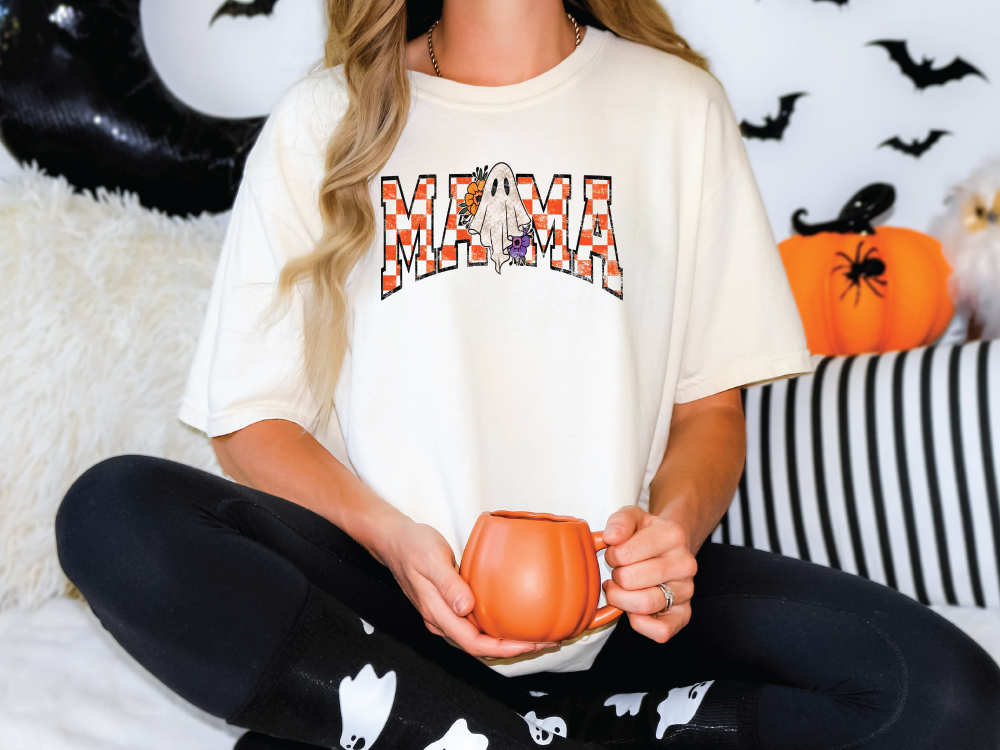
743, 326
248, 367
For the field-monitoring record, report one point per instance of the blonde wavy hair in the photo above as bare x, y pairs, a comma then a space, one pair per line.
368, 37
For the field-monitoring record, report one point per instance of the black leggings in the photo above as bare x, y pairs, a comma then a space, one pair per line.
262, 612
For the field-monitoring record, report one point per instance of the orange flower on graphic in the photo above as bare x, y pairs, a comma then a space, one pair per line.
473, 196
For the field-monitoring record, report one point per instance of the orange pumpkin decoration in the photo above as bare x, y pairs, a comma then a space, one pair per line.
860, 289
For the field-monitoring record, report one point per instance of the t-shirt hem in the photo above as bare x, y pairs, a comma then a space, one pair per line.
228, 422
746, 374
577, 655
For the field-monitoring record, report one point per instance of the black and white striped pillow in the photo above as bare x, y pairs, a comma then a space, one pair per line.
881, 465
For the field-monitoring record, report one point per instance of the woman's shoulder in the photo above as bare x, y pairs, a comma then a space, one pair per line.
314, 103
661, 74
301, 123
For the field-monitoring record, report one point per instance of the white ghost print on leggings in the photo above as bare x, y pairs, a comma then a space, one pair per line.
460, 738
680, 706
542, 730
365, 703
630, 702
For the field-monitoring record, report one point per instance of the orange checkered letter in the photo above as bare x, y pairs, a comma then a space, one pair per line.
409, 232
597, 236
456, 233
549, 219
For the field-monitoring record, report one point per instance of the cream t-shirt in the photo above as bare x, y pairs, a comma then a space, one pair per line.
524, 353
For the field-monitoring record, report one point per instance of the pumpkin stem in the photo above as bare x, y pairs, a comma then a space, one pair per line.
856, 215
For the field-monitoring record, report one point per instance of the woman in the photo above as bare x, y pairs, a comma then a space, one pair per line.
514, 253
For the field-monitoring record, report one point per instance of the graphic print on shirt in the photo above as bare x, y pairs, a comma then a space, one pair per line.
626, 702
460, 738
501, 219
680, 706
365, 704
543, 730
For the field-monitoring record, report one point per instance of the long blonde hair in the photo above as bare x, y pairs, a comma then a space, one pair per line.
368, 37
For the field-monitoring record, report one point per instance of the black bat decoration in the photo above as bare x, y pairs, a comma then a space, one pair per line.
915, 148
838, 2
773, 128
254, 8
924, 74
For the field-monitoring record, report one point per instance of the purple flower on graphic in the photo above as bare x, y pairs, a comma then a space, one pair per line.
519, 247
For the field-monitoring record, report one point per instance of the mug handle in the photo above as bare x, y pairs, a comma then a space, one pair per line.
606, 613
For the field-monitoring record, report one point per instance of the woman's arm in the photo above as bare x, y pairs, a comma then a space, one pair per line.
688, 496
279, 457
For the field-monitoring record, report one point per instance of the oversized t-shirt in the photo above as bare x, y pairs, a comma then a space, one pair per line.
556, 264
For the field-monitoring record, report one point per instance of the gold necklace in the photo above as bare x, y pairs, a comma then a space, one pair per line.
430, 41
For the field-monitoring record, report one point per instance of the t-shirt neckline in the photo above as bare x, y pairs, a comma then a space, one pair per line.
445, 90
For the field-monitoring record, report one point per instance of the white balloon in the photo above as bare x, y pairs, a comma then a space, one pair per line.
238, 66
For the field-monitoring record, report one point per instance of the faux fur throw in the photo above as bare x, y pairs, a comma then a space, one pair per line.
101, 304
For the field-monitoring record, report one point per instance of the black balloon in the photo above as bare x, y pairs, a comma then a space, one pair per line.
79, 95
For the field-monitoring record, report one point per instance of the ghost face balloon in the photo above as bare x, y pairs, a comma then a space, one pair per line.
500, 215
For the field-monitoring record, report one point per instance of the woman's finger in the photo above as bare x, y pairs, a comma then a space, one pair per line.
648, 601
453, 588
622, 524
662, 627
469, 639
442, 620
648, 573
651, 540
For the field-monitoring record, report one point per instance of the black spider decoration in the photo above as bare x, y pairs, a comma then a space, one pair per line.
867, 269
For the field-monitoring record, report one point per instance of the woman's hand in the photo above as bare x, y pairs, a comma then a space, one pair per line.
424, 565
643, 551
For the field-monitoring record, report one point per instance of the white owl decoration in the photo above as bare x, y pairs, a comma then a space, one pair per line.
969, 231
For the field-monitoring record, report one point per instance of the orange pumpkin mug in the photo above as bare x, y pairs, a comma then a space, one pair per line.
535, 576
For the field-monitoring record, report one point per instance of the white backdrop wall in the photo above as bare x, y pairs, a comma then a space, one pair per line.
759, 49
858, 98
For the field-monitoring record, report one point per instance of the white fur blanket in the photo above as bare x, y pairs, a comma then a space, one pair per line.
101, 304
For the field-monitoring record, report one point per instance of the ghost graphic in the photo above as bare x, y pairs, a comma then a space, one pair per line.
460, 738
365, 703
542, 730
368, 628
630, 702
501, 216
680, 706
